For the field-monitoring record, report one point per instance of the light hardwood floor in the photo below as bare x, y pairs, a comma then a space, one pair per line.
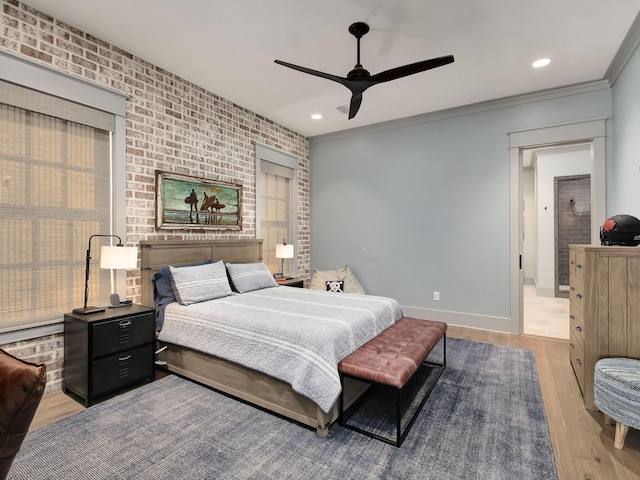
582, 443
545, 316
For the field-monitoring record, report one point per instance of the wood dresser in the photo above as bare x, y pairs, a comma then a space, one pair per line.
604, 308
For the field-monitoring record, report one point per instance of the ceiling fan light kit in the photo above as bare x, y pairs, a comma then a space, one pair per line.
359, 79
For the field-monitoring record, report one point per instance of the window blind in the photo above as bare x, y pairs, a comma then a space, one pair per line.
55, 192
275, 210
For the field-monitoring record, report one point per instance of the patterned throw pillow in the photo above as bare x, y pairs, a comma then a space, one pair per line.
335, 286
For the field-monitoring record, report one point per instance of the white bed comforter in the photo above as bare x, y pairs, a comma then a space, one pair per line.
293, 334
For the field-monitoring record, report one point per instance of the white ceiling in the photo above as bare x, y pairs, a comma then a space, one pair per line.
228, 47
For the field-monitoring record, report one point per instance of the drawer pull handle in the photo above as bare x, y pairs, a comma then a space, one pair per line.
579, 296
578, 361
571, 288
124, 359
571, 317
572, 346
124, 324
578, 265
579, 328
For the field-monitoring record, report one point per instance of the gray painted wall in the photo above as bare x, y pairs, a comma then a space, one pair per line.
623, 174
425, 207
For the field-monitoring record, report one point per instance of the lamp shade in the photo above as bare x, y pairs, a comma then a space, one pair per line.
116, 258
284, 251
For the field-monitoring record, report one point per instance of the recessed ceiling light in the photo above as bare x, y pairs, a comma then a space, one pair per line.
316, 116
543, 62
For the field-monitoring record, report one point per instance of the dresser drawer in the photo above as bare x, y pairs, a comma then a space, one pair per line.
576, 297
118, 370
122, 334
576, 326
576, 265
577, 362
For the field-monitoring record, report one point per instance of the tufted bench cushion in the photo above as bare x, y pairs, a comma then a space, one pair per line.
390, 360
394, 355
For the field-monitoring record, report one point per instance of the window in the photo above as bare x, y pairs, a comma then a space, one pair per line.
57, 178
54, 193
277, 174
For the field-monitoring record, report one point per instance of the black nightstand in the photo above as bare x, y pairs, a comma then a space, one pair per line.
107, 352
292, 282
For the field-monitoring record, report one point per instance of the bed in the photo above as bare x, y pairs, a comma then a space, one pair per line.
311, 402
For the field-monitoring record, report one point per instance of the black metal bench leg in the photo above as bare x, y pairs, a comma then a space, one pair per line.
399, 417
341, 401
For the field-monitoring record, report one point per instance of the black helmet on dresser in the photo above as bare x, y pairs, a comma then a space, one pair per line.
621, 230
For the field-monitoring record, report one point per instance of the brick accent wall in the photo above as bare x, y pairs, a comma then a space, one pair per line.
172, 125
49, 350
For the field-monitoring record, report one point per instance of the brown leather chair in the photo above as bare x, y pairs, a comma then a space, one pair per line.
21, 388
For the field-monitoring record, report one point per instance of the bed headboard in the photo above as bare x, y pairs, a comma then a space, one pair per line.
155, 254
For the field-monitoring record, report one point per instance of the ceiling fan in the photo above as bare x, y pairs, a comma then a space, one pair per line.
359, 79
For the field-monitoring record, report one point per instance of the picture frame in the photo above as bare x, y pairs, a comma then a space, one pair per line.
188, 202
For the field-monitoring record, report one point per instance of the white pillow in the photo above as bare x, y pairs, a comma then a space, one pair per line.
200, 283
247, 277
321, 277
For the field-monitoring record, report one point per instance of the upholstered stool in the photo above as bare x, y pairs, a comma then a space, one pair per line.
616, 389
21, 388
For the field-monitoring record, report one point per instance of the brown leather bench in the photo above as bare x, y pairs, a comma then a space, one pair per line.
390, 360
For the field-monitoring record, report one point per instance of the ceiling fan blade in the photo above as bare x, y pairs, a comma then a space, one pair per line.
328, 76
356, 101
359, 79
410, 69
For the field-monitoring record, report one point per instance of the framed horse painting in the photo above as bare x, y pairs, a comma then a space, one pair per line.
186, 202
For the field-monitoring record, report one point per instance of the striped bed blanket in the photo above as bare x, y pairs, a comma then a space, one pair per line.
295, 335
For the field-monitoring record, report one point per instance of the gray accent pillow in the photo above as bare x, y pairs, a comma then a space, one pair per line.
247, 277
200, 283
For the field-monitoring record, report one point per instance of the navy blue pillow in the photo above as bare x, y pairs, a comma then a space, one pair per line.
163, 293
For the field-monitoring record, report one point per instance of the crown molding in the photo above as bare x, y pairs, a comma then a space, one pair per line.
628, 46
466, 110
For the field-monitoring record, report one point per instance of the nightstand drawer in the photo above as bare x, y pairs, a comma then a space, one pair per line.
118, 370
122, 334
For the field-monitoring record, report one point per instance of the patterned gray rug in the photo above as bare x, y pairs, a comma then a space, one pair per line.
484, 420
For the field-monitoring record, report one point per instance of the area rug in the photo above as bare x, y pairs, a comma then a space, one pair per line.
484, 420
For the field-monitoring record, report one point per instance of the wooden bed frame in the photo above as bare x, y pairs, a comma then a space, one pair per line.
229, 377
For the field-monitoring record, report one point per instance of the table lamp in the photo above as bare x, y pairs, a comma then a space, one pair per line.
283, 251
110, 257
118, 258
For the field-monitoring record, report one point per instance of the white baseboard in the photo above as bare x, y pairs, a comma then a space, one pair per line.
481, 322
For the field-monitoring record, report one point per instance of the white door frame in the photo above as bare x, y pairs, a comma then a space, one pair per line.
591, 131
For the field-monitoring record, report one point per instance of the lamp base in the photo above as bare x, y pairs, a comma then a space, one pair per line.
125, 303
88, 310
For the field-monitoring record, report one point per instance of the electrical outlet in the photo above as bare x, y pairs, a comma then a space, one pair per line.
436, 296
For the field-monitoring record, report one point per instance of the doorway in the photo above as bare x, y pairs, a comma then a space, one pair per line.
590, 134
556, 199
